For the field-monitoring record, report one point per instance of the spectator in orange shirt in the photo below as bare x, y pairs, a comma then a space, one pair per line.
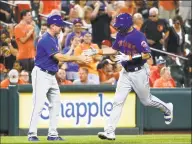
46, 6
165, 81
61, 78
106, 73
138, 21
13, 78
92, 66
130, 7
167, 8
155, 74
25, 36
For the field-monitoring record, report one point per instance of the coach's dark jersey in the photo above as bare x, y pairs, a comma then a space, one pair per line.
132, 44
46, 48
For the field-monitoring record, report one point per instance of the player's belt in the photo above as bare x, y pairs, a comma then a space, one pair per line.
49, 72
133, 69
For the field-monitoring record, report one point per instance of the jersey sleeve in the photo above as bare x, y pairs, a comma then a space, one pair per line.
142, 44
115, 45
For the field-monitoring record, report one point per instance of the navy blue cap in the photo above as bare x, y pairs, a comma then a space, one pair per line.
77, 20
55, 19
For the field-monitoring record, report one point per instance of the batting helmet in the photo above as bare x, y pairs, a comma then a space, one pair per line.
55, 19
123, 22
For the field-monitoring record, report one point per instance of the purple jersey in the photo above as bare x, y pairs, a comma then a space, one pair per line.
132, 44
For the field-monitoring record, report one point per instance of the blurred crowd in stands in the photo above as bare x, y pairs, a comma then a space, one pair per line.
166, 25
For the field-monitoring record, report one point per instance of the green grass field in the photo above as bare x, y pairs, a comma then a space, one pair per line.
120, 139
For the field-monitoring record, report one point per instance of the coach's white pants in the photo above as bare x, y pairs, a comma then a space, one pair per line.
139, 81
44, 86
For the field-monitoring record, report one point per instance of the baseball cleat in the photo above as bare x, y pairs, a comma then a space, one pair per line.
105, 135
169, 117
33, 138
58, 138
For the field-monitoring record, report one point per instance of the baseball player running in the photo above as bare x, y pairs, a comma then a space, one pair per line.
43, 78
134, 51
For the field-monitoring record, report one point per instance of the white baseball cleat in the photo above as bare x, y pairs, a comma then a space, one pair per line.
169, 117
105, 135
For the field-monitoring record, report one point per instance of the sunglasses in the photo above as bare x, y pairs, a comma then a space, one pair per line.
177, 23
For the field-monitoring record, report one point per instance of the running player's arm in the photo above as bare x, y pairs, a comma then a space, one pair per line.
143, 48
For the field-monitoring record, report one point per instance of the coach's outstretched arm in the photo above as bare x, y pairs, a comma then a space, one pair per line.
65, 58
105, 51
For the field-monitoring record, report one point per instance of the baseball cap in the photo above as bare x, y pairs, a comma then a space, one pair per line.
55, 19
77, 20
106, 43
13, 76
102, 8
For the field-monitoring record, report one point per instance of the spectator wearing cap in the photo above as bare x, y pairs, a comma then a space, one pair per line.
25, 38
106, 73
83, 78
165, 80
137, 21
72, 67
156, 31
13, 78
101, 19
61, 78
106, 44
155, 74
77, 31
92, 66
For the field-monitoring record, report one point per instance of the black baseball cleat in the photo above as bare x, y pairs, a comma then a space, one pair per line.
108, 136
56, 138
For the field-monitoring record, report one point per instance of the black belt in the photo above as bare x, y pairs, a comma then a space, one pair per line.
49, 72
133, 69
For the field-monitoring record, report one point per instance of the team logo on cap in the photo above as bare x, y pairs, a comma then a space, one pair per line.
144, 44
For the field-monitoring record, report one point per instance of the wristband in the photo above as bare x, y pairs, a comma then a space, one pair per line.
137, 58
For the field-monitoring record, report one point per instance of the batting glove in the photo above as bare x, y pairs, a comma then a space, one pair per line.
122, 57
